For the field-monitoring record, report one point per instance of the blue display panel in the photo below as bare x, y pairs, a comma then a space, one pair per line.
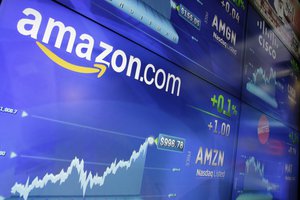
284, 18
86, 113
267, 160
205, 37
271, 74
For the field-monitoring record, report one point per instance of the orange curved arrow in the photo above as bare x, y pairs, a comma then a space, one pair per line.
98, 68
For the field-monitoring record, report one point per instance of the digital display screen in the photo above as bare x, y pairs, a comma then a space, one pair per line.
205, 37
267, 159
284, 18
87, 114
271, 74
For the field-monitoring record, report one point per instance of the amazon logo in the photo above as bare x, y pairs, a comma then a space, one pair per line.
30, 27
133, 66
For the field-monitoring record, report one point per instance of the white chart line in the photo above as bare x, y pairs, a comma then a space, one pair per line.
155, 196
62, 160
157, 168
85, 162
86, 178
87, 127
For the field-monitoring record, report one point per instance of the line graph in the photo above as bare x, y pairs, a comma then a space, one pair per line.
255, 177
78, 181
264, 86
93, 162
260, 76
255, 165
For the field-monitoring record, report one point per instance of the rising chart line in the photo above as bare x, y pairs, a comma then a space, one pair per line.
85, 178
